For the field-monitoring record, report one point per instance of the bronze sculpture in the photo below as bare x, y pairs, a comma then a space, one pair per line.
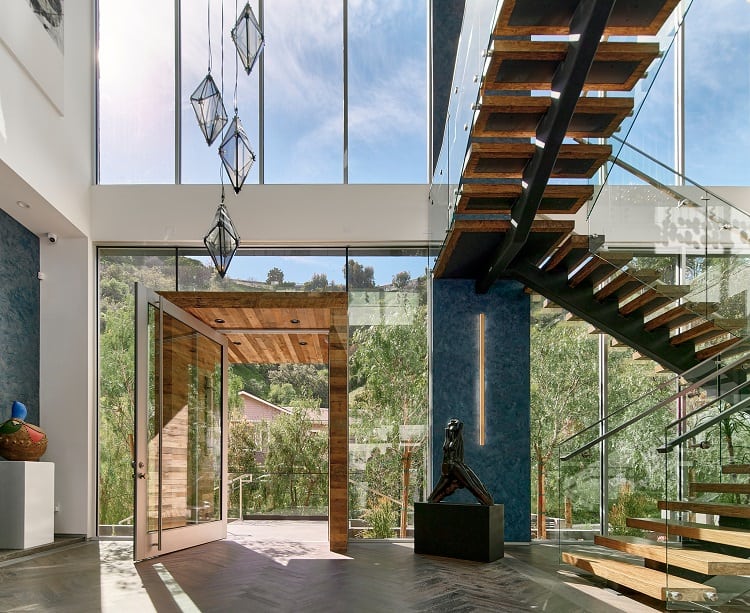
454, 474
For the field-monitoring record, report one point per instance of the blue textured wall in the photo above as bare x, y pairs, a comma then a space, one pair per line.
19, 318
503, 463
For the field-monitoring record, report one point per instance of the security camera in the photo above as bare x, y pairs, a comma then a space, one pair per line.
52, 237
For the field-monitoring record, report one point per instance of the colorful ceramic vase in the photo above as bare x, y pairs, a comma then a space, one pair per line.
19, 440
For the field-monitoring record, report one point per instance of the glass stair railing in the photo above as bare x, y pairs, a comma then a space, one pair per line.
655, 498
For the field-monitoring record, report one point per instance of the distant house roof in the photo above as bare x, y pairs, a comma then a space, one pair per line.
256, 409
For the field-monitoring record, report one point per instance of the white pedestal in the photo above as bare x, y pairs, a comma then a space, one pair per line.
27, 504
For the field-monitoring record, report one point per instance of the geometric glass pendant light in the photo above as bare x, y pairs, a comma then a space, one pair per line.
236, 154
222, 239
209, 109
248, 38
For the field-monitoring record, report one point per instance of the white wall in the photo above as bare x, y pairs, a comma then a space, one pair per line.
46, 120
263, 214
46, 136
67, 381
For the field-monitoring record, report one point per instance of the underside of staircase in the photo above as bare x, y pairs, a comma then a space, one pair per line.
527, 167
527, 158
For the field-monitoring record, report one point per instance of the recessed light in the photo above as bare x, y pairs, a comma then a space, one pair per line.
294, 321
23, 205
218, 320
237, 342
303, 343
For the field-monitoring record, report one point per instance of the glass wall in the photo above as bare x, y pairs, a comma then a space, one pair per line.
388, 373
304, 92
200, 162
119, 269
388, 313
136, 112
564, 399
387, 92
294, 105
717, 93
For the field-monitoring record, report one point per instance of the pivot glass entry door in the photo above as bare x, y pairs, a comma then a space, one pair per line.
180, 463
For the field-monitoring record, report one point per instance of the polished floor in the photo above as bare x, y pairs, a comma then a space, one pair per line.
286, 566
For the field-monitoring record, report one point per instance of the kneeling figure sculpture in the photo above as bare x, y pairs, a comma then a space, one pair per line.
454, 474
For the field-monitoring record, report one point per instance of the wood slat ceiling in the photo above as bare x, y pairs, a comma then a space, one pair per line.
267, 327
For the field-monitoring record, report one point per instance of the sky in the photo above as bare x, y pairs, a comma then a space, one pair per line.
301, 268
303, 90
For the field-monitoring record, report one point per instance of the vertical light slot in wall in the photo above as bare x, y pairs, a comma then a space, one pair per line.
481, 379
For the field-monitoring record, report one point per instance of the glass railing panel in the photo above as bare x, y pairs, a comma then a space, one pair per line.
706, 456
471, 56
269, 495
710, 271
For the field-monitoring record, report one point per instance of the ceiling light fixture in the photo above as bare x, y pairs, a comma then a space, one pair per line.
294, 321
23, 205
207, 101
248, 38
222, 239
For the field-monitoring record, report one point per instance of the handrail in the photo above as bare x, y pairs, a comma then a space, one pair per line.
649, 411
741, 405
703, 407
677, 173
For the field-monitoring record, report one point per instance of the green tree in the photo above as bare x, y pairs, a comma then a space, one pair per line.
401, 280
275, 276
392, 362
116, 402
307, 381
358, 276
319, 282
297, 461
563, 396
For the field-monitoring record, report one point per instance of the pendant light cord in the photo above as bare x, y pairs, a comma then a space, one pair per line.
235, 63
208, 20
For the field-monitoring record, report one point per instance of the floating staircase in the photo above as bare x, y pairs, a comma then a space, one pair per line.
673, 570
510, 221
521, 140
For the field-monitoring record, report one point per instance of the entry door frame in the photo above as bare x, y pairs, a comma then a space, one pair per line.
337, 305
151, 544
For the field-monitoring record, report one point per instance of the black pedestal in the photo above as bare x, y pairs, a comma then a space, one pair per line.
465, 531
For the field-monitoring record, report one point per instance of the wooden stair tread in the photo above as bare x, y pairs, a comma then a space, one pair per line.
471, 241
622, 286
494, 198
720, 488
674, 554
711, 508
707, 352
571, 243
628, 17
672, 318
701, 532
699, 331
736, 469
508, 160
519, 116
653, 583
530, 65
